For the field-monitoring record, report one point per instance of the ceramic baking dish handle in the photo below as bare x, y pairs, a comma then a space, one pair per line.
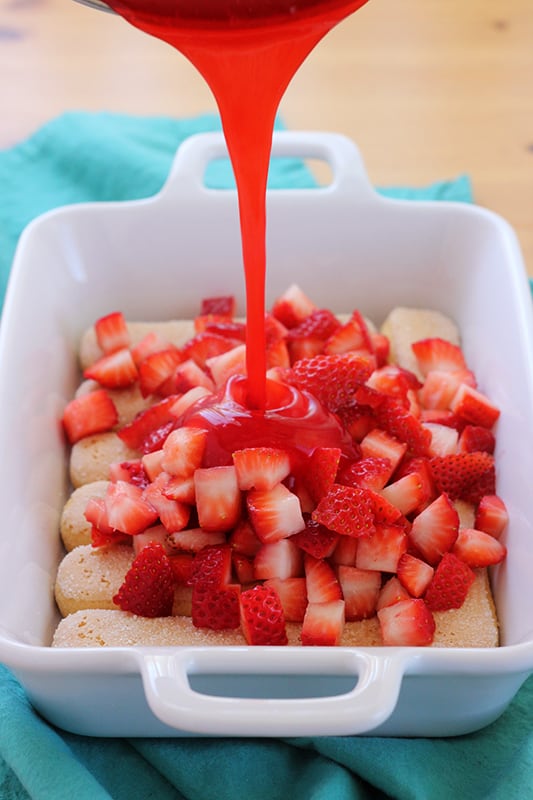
168, 675
348, 173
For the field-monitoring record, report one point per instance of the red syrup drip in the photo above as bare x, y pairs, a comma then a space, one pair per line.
247, 51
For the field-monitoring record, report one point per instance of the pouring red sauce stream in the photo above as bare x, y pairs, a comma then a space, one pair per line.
247, 51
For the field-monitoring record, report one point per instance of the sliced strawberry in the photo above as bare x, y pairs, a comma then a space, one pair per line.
316, 539
261, 467
379, 444
474, 407
127, 510
478, 549
188, 374
148, 587
274, 513
438, 354
464, 476
211, 565
277, 354
183, 402
476, 438
155, 534
444, 439
381, 348
224, 365
101, 539
321, 471
224, 305
407, 493
156, 369
320, 325
206, 345
262, 619
151, 464
149, 428
321, 581
192, 540
360, 590
279, 559
450, 584
88, 414
420, 465
96, 515
391, 592
323, 624
151, 343
345, 551
491, 515
383, 549
292, 593
333, 379
130, 471
183, 451
403, 425
218, 498
395, 382
435, 529
358, 421
243, 539
292, 307
414, 574
370, 472
215, 607
112, 332
243, 567
347, 510
172, 514
180, 489
440, 387
181, 564
114, 371
221, 325
407, 623
353, 335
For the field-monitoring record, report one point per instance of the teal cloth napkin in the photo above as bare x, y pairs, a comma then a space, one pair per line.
79, 157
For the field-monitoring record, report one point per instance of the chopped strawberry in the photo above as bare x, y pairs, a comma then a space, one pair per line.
321, 581
383, 549
172, 514
450, 584
178, 488
319, 325
151, 464
112, 332
206, 345
183, 451
96, 515
414, 574
333, 379
385, 513
262, 619
244, 539
155, 534
221, 325
360, 590
438, 354
407, 623
380, 348
444, 439
113, 371
292, 593
407, 493
403, 425
130, 471
478, 549
440, 386
188, 374
491, 515
321, 471
476, 438
465, 476
102, 539
192, 540
356, 420
379, 444
395, 382
347, 510
243, 567
224, 365
181, 564
391, 592
292, 307
156, 369
261, 467
474, 407
183, 403
353, 335
274, 513
218, 499
316, 539
279, 559
323, 624
215, 607
370, 472
88, 414
147, 431
148, 587
211, 565
127, 510
435, 529
151, 343
345, 551
224, 305
420, 465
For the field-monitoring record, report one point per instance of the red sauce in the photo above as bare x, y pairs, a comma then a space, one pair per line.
247, 51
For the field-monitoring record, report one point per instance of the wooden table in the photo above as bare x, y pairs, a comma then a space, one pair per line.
428, 89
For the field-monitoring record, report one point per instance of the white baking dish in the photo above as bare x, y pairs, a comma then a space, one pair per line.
154, 259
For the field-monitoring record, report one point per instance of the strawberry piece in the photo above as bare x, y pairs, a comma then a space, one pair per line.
101, 539
277, 354
188, 374
181, 564
142, 432
151, 465
440, 386
157, 369
347, 510
333, 379
178, 488
438, 354
380, 348
215, 607
221, 325
391, 592
420, 465
224, 305
127, 510
402, 425
148, 587
223, 366
193, 540
407, 623
183, 451
444, 439
395, 382
151, 343
88, 414
96, 515
154, 534
292, 593
114, 371
478, 549
321, 471
351, 336
274, 513
206, 345
211, 565
130, 472
414, 574
450, 584
360, 590
320, 325
383, 549
464, 476
379, 444
261, 467
370, 472
321, 581
112, 332
435, 529
345, 551
292, 307
476, 438
407, 493
316, 539
262, 619
491, 515
172, 514
243, 539
474, 407
279, 559
323, 624
243, 568
218, 499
